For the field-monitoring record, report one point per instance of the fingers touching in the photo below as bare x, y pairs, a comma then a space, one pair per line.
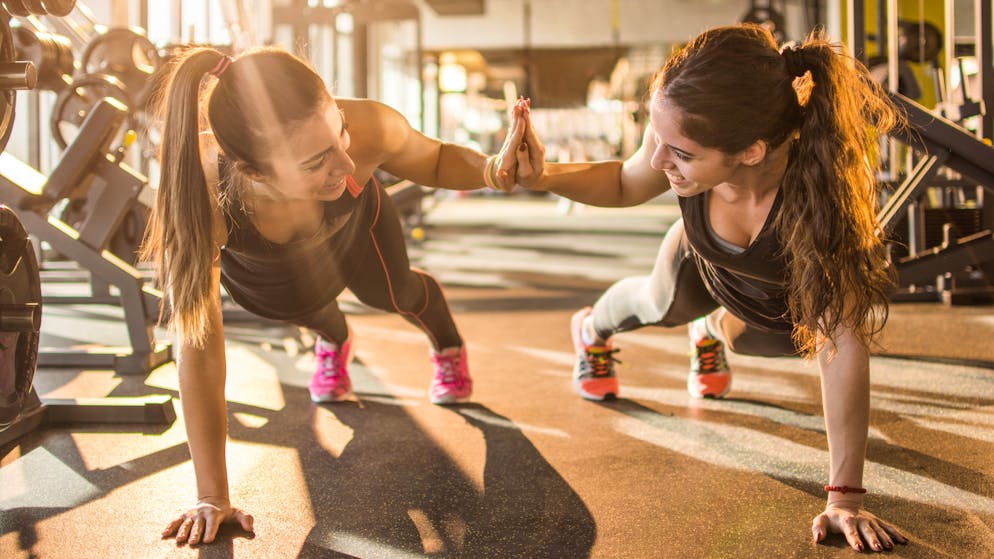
523, 155
505, 166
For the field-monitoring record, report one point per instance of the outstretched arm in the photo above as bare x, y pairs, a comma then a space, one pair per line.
845, 389
598, 183
384, 136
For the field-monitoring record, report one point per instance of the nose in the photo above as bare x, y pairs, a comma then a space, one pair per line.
345, 163
662, 159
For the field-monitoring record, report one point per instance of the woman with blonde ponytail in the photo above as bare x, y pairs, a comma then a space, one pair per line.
266, 188
777, 253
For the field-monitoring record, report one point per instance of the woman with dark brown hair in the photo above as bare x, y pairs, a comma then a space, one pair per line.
778, 252
266, 188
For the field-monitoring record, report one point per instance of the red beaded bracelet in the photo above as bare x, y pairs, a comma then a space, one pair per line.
844, 489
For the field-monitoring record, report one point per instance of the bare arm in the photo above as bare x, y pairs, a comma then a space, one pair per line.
845, 382
386, 137
201, 385
202, 375
201, 380
600, 183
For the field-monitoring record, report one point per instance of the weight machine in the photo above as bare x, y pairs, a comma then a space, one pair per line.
111, 190
939, 217
113, 187
21, 410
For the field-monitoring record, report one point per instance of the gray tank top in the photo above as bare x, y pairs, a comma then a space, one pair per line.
750, 284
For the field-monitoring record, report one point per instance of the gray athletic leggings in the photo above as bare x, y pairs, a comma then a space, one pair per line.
674, 294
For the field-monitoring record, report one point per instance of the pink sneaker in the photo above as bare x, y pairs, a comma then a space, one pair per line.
330, 382
452, 384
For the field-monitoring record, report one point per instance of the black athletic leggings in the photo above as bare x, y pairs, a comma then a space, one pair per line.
378, 271
674, 294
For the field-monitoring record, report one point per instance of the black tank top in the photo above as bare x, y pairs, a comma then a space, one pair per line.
293, 279
751, 284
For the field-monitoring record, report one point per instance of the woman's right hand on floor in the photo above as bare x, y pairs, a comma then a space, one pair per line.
200, 524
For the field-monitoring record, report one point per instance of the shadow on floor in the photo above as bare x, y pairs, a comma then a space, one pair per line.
393, 492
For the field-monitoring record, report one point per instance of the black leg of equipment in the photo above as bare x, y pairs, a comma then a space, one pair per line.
21, 410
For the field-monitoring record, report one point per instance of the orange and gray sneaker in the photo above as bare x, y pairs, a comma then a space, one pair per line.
593, 375
709, 375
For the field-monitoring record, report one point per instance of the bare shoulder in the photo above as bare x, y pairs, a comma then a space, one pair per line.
375, 127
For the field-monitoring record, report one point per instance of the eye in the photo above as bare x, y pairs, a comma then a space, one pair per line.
317, 164
682, 156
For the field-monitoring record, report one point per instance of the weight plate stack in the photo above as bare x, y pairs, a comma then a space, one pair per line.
20, 315
8, 97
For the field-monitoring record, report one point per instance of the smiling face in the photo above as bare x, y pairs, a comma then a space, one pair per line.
690, 167
313, 163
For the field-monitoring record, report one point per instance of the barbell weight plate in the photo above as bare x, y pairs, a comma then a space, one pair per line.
125, 53
65, 59
59, 8
918, 41
58, 60
20, 290
74, 103
39, 49
8, 98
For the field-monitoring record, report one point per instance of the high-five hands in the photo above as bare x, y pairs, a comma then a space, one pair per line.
520, 161
531, 152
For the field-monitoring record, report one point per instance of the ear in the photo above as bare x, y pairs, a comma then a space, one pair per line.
754, 154
251, 172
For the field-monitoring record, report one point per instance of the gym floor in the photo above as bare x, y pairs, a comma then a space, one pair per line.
529, 469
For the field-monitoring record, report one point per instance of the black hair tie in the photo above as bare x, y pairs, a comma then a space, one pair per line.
793, 60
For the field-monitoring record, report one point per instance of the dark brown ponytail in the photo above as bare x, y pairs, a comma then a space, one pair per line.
180, 239
735, 87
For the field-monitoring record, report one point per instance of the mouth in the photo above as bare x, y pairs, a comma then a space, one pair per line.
328, 188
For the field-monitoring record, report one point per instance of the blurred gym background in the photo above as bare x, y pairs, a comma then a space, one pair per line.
77, 176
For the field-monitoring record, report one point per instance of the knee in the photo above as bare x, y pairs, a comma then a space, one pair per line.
772, 345
410, 294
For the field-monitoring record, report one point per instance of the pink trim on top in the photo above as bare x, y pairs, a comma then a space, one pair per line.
354, 187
